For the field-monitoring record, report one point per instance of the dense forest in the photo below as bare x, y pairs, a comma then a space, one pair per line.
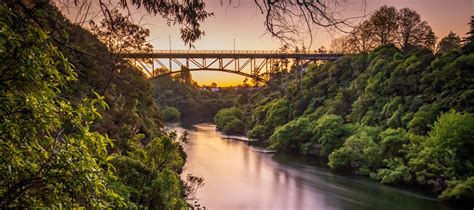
399, 112
184, 100
79, 127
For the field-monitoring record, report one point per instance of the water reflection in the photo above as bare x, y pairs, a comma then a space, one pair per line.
238, 177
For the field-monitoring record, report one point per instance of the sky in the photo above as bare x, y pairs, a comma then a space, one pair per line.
242, 21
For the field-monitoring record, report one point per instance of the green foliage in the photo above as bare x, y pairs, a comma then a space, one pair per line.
360, 152
234, 126
63, 146
376, 113
171, 114
447, 153
459, 189
330, 132
229, 121
290, 136
49, 155
194, 104
396, 172
150, 176
277, 112
258, 132
393, 141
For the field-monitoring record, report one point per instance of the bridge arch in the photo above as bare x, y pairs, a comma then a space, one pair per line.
256, 77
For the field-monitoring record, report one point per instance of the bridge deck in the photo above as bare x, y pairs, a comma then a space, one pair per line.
256, 54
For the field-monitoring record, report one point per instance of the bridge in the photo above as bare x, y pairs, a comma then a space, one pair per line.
256, 64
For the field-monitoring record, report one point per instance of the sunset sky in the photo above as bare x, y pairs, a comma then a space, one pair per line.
242, 21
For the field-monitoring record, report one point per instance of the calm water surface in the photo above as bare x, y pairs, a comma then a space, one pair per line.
238, 176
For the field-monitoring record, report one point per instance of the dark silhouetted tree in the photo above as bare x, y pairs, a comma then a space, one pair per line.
450, 42
361, 39
412, 31
123, 36
469, 39
383, 24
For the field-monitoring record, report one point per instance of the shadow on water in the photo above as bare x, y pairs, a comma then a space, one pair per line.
361, 190
238, 176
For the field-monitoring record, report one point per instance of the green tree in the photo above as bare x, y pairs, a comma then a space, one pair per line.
446, 155
149, 176
459, 189
360, 153
330, 132
290, 136
171, 114
422, 119
49, 156
229, 120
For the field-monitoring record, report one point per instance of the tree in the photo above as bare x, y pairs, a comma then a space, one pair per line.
412, 31
361, 38
188, 14
322, 49
229, 120
340, 45
389, 26
450, 42
122, 36
286, 20
149, 175
290, 136
330, 132
446, 155
469, 39
49, 155
171, 114
383, 24
360, 153
185, 76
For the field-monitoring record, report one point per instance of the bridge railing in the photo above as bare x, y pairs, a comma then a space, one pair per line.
235, 52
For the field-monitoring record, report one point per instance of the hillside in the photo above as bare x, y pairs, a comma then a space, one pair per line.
87, 132
400, 117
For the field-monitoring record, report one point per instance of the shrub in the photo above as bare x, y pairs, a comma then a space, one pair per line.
290, 136
171, 114
229, 120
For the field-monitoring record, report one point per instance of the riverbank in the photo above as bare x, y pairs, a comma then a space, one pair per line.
237, 176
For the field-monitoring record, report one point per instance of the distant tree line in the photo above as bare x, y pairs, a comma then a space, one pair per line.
404, 28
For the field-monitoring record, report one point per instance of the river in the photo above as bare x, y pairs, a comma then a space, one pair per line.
239, 176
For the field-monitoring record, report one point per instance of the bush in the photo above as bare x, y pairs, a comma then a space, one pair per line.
422, 119
233, 126
447, 153
290, 136
360, 153
229, 120
258, 132
171, 114
462, 189
330, 132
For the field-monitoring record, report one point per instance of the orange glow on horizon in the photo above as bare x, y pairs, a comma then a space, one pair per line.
241, 27
246, 26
